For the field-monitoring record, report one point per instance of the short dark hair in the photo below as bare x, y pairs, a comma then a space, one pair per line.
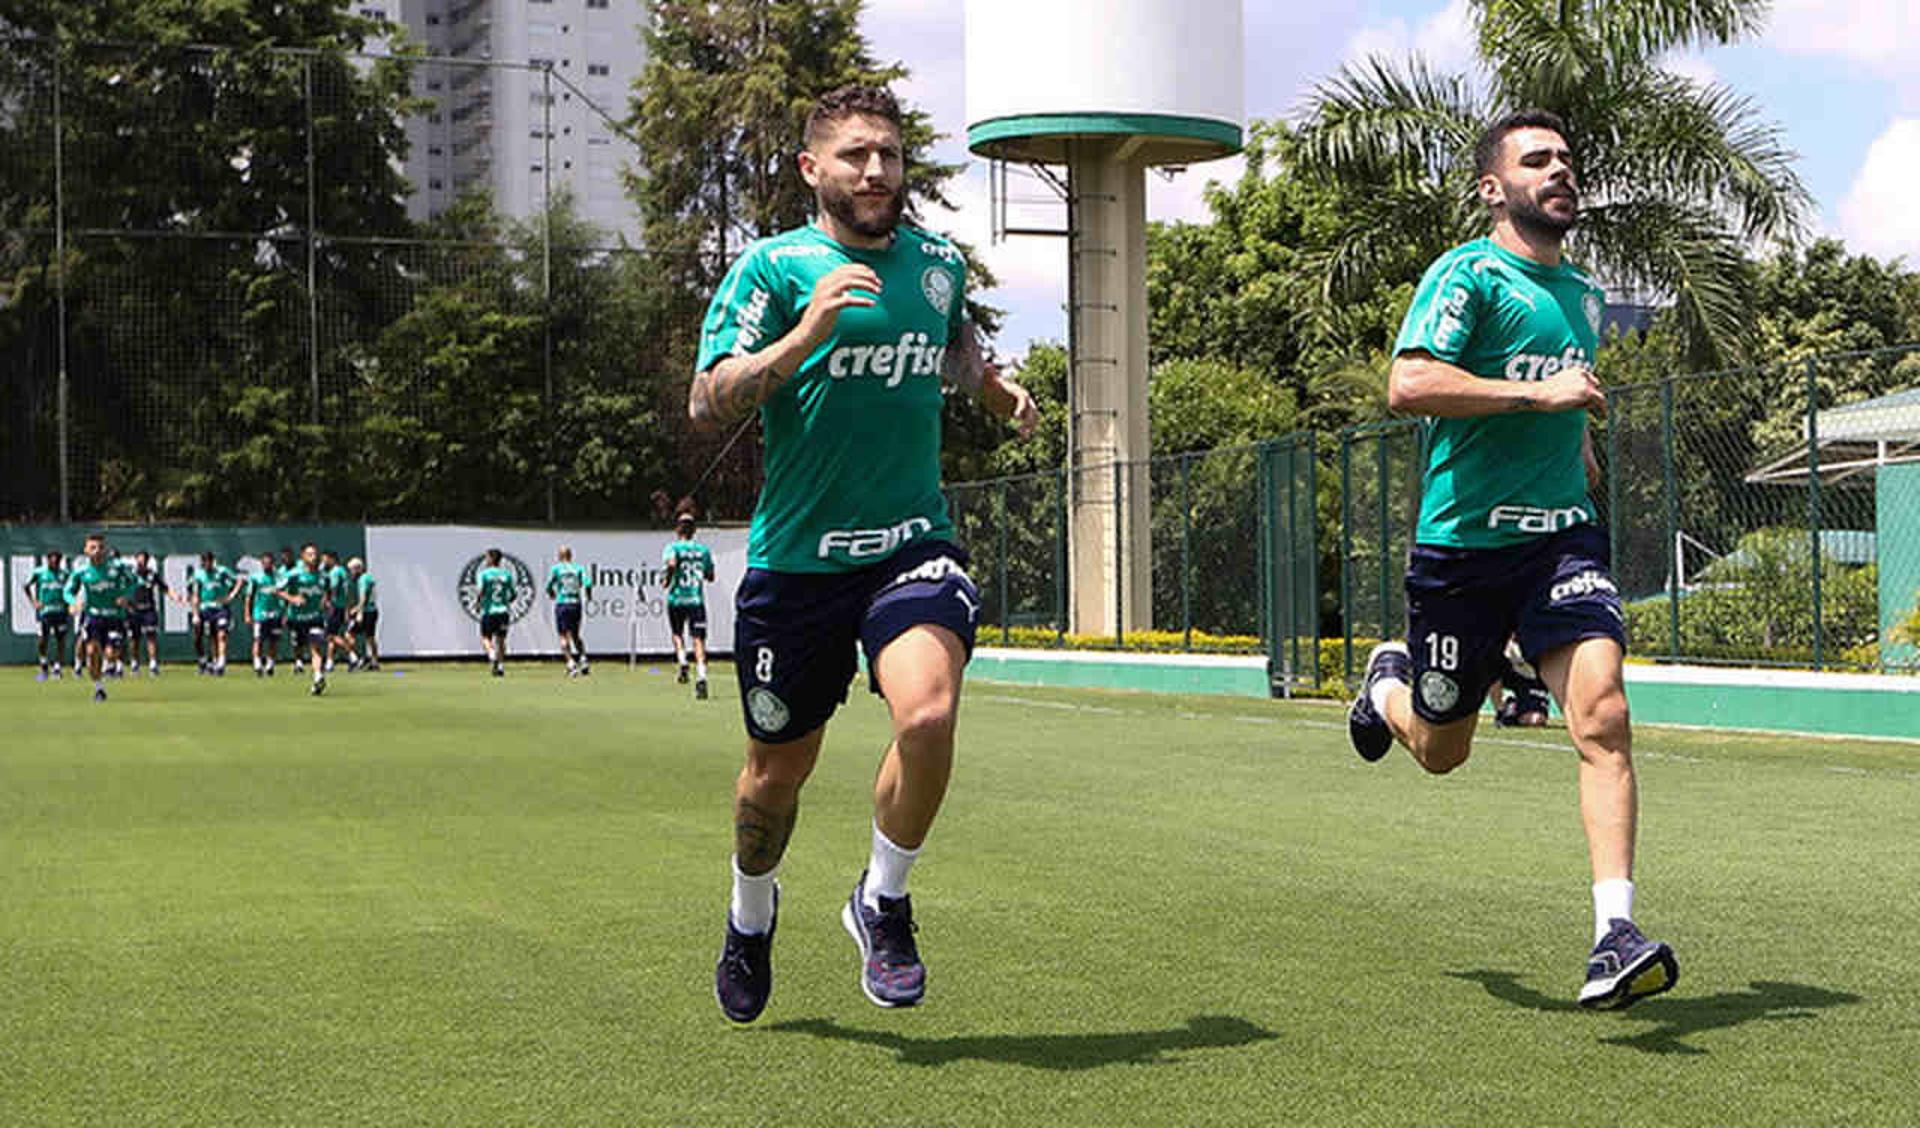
493, 556
1486, 151
845, 102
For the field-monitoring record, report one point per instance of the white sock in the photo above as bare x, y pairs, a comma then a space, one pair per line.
680, 657
1612, 898
702, 666
887, 870
752, 907
1378, 694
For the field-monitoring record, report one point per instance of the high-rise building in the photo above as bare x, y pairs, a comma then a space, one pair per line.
520, 129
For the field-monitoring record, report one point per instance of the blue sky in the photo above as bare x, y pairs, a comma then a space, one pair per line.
1841, 77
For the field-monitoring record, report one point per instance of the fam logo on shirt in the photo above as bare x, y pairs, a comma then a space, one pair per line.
523, 593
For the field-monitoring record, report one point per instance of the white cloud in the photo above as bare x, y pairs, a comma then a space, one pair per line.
1445, 38
1182, 198
1690, 65
1882, 34
1878, 216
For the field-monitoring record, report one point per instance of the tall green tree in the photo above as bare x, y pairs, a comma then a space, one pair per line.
1678, 177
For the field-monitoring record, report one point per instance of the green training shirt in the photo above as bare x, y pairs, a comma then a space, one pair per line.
689, 568
311, 587
50, 587
495, 590
853, 440
568, 583
267, 605
339, 585
1497, 480
103, 587
211, 586
367, 590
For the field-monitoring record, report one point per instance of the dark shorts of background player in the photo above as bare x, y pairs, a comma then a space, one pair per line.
105, 631
366, 624
337, 622
144, 623
795, 633
215, 619
311, 632
56, 622
494, 624
268, 630
689, 621
1548, 594
566, 618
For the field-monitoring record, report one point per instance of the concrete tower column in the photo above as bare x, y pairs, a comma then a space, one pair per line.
1110, 540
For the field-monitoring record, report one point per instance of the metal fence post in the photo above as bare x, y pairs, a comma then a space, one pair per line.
1119, 557
1186, 558
1346, 548
546, 276
1060, 555
1813, 503
1673, 519
1386, 532
60, 290
1006, 617
313, 276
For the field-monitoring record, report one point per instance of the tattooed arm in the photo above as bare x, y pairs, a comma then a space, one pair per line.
968, 369
736, 385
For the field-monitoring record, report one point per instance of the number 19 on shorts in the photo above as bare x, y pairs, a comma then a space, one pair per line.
1443, 652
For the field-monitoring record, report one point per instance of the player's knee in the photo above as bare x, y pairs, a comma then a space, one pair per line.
1602, 726
1439, 754
926, 724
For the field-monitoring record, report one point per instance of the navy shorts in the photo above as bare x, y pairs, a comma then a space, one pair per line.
267, 630
566, 618
795, 633
368, 622
51, 621
145, 622
689, 621
494, 624
106, 632
312, 633
337, 621
215, 619
1463, 604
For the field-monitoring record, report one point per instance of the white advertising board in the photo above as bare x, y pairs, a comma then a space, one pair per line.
425, 575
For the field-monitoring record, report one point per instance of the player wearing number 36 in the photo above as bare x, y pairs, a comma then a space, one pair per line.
841, 335
1496, 355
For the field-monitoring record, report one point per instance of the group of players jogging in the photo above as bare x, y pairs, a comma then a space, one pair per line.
321, 607
841, 335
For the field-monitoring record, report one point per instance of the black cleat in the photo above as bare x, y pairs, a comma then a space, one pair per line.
1366, 728
319, 686
1626, 967
891, 974
700, 690
743, 979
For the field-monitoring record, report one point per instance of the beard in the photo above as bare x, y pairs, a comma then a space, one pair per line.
845, 208
1528, 214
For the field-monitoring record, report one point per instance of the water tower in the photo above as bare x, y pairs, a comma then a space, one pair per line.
1106, 89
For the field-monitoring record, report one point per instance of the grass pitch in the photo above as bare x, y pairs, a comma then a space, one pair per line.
432, 897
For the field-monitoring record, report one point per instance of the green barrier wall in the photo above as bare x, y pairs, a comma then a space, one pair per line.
1898, 523
21, 547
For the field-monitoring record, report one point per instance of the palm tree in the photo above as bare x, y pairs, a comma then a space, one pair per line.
1679, 178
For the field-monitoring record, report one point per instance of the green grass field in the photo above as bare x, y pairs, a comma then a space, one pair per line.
434, 898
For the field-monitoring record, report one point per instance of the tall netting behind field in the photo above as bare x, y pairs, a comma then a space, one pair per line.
306, 284
1745, 511
1206, 543
1014, 529
1380, 467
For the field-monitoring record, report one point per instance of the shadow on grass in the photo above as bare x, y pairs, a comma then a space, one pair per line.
1677, 1017
1046, 1051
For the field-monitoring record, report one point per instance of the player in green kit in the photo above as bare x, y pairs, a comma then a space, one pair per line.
363, 618
266, 614
569, 586
841, 334
306, 592
494, 592
46, 589
689, 569
213, 586
104, 588
1497, 352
